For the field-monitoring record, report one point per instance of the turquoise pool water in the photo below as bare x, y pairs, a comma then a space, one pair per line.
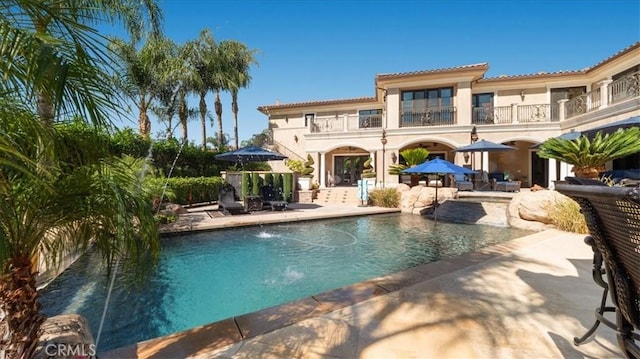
206, 277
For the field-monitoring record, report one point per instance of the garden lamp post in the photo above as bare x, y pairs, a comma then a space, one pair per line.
383, 140
473, 137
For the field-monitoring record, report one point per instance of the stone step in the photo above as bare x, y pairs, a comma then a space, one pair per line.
338, 195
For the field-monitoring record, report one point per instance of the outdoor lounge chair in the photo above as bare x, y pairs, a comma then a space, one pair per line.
227, 201
461, 182
613, 217
269, 199
499, 183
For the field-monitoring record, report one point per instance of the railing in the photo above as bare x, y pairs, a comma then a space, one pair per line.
624, 88
327, 124
356, 122
584, 103
534, 113
490, 115
435, 116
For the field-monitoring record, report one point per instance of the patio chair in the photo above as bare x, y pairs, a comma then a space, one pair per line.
227, 201
269, 199
500, 183
461, 182
613, 217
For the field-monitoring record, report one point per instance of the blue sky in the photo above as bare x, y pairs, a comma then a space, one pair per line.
322, 50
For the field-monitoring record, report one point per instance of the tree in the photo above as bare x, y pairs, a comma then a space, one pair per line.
239, 59
201, 54
59, 192
412, 157
588, 157
57, 62
260, 140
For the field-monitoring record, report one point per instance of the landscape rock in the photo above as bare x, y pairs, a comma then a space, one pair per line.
65, 334
176, 208
528, 210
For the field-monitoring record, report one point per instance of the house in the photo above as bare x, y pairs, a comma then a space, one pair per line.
438, 109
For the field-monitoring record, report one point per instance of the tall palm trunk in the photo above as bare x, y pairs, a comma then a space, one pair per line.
21, 309
144, 124
183, 114
234, 109
203, 118
218, 105
45, 109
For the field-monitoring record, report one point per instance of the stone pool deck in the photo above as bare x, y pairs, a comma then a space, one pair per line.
526, 298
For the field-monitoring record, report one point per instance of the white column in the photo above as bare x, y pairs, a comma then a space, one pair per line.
514, 113
604, 93
562, 104
553, 174
485, 161
565, 170
323, 169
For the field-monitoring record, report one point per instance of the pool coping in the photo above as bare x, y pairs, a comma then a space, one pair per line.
219, 334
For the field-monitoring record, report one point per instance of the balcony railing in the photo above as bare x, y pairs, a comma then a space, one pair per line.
364, 122
534, 113
624, 88
434, 116
489, 115
327, 124
584, 103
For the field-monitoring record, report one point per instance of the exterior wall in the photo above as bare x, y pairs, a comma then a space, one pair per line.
287, 122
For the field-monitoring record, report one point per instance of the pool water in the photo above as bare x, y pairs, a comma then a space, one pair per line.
210, 276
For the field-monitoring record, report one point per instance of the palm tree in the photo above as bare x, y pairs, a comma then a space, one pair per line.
221, 80
60, 193
143, 73
587, 156
239, 59
200, 55
56, 61
53, 203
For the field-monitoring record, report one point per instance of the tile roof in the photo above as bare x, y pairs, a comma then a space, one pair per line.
316, 103
482, 65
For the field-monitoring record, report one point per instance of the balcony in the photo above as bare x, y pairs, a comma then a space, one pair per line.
345, 122
488, 115
433, 116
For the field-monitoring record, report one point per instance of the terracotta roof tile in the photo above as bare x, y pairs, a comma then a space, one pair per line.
316, 103
481, 65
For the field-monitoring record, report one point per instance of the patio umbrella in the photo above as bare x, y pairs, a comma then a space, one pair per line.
571, 135
250, 154
484, 146
439, 167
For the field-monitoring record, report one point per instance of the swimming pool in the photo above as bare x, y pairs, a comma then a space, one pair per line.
210, 276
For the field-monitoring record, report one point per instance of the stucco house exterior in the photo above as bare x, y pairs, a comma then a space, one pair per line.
437, 109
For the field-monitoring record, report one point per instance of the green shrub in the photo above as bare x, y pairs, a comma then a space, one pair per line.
268, 178
189, 190
255, 183
385, 197
565, 215
287, 186
246, 185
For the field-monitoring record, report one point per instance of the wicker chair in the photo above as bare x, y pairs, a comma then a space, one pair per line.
613, 218
461, 182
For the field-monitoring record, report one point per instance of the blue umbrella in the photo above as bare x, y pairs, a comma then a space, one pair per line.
250, 154
484, 146
439, 167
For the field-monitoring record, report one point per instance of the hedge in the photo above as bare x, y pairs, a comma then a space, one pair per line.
190, 190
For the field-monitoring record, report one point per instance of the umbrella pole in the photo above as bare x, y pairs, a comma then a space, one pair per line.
435, 208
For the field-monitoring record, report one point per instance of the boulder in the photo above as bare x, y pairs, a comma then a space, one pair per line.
528, 210
65, 336
176, 208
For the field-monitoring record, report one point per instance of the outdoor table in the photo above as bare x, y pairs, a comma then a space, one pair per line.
253, 203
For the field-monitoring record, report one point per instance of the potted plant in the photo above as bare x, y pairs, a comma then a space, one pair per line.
304, 171
368, 174
412, 157
588, 157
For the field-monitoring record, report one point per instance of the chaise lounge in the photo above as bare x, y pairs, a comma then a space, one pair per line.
613, 217
227, 201
500, 183
270, 199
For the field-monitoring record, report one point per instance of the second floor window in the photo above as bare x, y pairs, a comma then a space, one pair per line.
370, 118
420, 100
